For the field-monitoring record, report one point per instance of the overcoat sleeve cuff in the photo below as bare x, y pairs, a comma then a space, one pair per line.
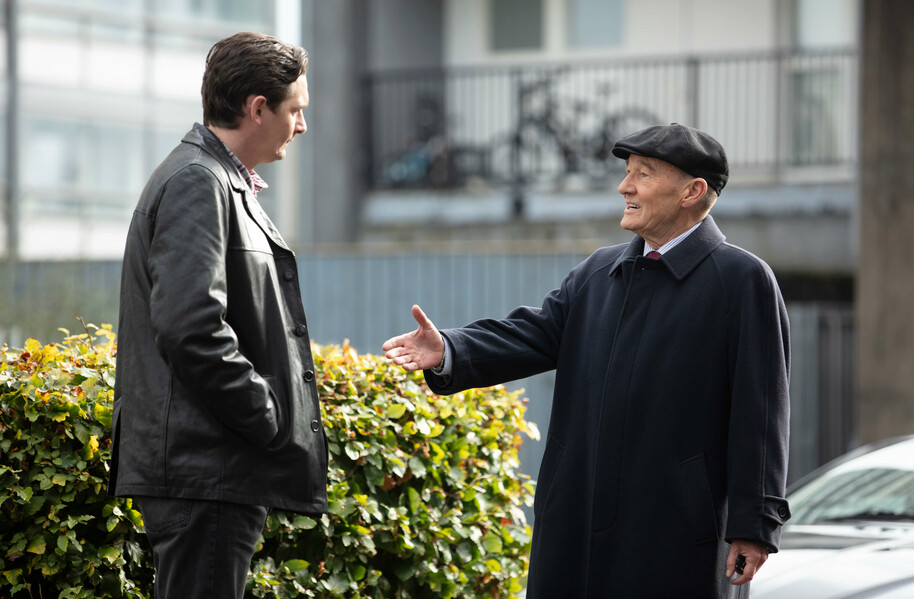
764, 528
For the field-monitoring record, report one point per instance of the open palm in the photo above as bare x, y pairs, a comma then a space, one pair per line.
418, 350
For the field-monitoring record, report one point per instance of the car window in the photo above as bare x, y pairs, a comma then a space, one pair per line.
875, 486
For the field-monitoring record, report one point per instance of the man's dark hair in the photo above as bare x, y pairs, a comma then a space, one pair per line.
248, 64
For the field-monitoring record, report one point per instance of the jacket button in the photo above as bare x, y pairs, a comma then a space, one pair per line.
301, 330
309, 375
782, 511
289, 274
315, 425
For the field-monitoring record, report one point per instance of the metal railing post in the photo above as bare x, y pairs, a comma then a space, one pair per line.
692, 67
12, 131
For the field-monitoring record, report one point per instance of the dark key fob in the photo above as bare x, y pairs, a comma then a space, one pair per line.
740, 564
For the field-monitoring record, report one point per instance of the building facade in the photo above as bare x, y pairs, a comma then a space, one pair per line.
505, 130
99, 92
456, 154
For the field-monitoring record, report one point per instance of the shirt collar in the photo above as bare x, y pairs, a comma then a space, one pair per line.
250, 177
671, 243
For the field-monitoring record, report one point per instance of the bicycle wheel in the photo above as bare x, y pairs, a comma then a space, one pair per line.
520, 159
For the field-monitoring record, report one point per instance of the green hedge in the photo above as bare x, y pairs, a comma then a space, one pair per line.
425, 494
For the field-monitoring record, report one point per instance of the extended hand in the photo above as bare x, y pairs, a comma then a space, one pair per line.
755, 555
419, 350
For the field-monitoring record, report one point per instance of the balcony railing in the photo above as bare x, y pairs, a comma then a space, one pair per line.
555, 124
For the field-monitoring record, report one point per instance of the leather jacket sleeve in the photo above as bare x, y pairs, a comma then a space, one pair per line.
187, 265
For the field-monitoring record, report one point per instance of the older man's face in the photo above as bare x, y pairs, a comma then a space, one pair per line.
653, 192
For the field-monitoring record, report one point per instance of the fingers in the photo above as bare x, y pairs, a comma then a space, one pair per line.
403, 357
418, 350
744, 560
402, 340
422, 319
394, 342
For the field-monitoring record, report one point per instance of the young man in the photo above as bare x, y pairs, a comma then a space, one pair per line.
216, 415
666, 458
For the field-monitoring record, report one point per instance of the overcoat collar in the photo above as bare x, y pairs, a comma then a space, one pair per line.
683, 258
204, 138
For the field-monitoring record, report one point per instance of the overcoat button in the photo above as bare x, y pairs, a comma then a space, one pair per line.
782, 511
315, 425
309, 375
289, 274
301, 330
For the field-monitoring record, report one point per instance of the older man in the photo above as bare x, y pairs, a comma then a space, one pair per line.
666, 457
216, 415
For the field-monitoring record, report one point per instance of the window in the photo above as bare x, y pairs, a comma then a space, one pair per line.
70, 165
825, 23
594, 23
819, 81
516, 24
815, 115
239, 11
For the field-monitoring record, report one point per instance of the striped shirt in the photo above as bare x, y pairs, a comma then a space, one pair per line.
250, 177
671, 243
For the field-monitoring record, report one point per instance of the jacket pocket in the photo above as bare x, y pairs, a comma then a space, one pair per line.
697, 500
551, 460
283, 429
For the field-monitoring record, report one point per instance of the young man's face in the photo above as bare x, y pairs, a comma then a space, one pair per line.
283, 124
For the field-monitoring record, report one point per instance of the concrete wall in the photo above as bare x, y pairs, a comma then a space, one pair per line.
404, 34
885, 293
346, 39
335, 35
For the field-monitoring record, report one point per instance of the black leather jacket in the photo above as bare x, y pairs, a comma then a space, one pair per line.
215, 395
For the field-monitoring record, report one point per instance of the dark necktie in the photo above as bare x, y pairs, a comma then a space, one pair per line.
653, 255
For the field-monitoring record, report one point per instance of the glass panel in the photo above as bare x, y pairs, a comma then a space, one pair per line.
594, 23
256, 14
875, 486
114, 162
824, 23
516, 24
815, 116
49, 159
63, 161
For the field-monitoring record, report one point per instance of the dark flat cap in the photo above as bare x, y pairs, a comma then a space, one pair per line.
693, 151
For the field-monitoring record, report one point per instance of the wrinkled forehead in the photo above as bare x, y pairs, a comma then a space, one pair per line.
646, 160
656, 164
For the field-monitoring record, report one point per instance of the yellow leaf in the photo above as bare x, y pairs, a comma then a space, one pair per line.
395, 411
36, 546
92, 445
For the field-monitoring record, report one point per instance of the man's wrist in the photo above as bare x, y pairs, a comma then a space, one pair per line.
437, 369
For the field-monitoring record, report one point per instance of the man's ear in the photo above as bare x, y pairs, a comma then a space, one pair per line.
694, 191
254, 107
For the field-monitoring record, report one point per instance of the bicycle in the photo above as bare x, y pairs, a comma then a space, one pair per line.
432, 160
543, 143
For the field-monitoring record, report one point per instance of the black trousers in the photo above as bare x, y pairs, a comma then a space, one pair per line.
201, 549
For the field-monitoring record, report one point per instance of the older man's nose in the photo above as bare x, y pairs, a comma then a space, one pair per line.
626, 185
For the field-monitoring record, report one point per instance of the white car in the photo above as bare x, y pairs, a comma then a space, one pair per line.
851, 535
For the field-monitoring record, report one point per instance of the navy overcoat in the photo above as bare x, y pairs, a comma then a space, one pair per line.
668, 434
